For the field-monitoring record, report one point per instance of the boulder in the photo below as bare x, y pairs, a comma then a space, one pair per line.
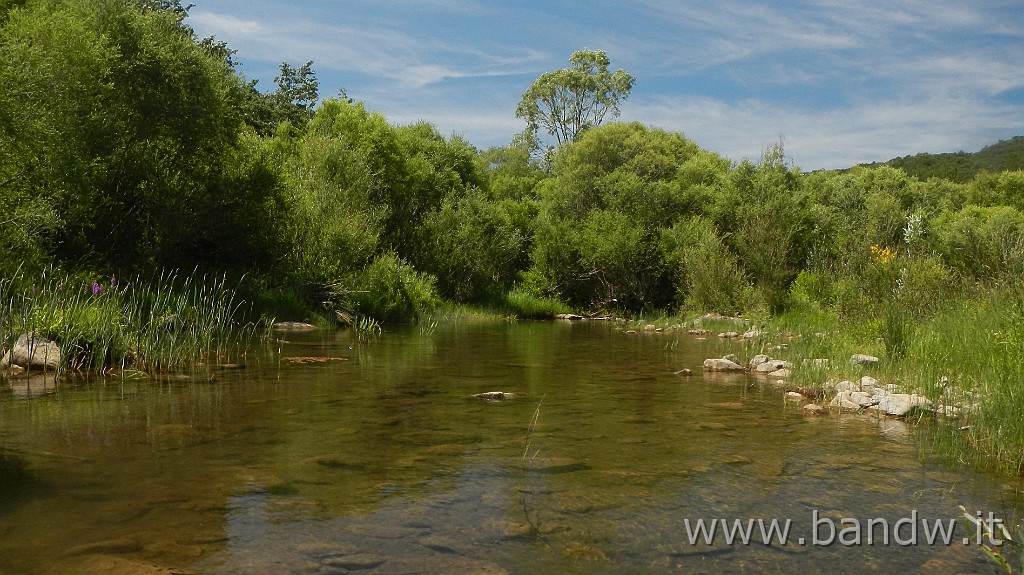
757, 360
900, 404
771, 365
31, 350
721, 364
844, 400
863, 399
863, 359
781, 373
868, 383
846, 386
731, 357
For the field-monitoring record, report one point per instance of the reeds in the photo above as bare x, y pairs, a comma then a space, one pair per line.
171, 322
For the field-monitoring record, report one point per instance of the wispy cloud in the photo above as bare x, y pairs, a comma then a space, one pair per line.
411, 61
842, 82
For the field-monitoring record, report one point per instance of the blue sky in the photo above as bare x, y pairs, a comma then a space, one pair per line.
839, 82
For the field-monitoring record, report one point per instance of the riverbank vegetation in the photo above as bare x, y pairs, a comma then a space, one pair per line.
129, 146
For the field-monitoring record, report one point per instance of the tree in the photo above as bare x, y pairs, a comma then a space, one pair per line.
567, 102
297, 93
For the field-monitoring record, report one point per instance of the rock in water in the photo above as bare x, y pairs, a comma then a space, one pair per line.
32, 350
721, 364
494, 395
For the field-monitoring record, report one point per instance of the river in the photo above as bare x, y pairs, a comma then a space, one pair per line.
377, 459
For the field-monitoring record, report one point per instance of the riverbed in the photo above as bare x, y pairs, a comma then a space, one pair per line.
321, 453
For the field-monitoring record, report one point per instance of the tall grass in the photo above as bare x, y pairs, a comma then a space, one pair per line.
966, 354
171, 322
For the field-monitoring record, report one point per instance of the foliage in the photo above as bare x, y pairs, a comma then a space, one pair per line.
706, 272
567, 102
390, 290
963, 166
168, 322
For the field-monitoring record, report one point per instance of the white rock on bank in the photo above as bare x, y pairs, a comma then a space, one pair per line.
900, 404
863, 359
31, 350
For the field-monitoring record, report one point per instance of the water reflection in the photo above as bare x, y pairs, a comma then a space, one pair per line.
385, 463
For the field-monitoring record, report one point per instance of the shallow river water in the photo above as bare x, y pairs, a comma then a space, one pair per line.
382, 462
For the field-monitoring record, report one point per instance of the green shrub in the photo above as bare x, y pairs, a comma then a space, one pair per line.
390, 290
706, 273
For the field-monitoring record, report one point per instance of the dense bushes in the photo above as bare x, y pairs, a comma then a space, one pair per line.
128, 144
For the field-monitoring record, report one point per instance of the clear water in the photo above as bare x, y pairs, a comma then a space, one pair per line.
383, 463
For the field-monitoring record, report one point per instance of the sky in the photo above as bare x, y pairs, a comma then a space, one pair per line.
837, 82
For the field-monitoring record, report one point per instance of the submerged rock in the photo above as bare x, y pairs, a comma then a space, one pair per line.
293, 326
814, 409
494, 395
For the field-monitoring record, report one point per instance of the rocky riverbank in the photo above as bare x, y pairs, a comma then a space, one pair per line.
863, 394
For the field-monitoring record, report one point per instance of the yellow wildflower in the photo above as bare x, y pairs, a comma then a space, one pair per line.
884, 255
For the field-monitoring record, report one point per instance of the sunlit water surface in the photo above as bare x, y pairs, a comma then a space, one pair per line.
382, 462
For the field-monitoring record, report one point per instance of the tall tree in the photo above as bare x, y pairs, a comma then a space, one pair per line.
567, 102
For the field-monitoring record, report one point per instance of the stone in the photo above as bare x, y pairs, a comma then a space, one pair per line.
868, 383
697, 331
650, 327
721, 364
757, 360
814, 409
293, 326
844, 400
31, 350
900, 404
752, 334
568, 316
863, 360
685, 372
495, 395
795, 396
846, 386
728, 334
863, 399
732, 357
781, 373
771, 365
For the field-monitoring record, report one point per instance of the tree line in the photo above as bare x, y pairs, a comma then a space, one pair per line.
129, 144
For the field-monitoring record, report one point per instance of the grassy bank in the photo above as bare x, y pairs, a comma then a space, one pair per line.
171, 321
965, 354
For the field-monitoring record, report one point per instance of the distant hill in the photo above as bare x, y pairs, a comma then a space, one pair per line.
962, 166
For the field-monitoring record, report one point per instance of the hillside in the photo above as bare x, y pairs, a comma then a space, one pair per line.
962, 166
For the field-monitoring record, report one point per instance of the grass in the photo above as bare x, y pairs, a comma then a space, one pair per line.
170, 322
525, 305
965, 354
